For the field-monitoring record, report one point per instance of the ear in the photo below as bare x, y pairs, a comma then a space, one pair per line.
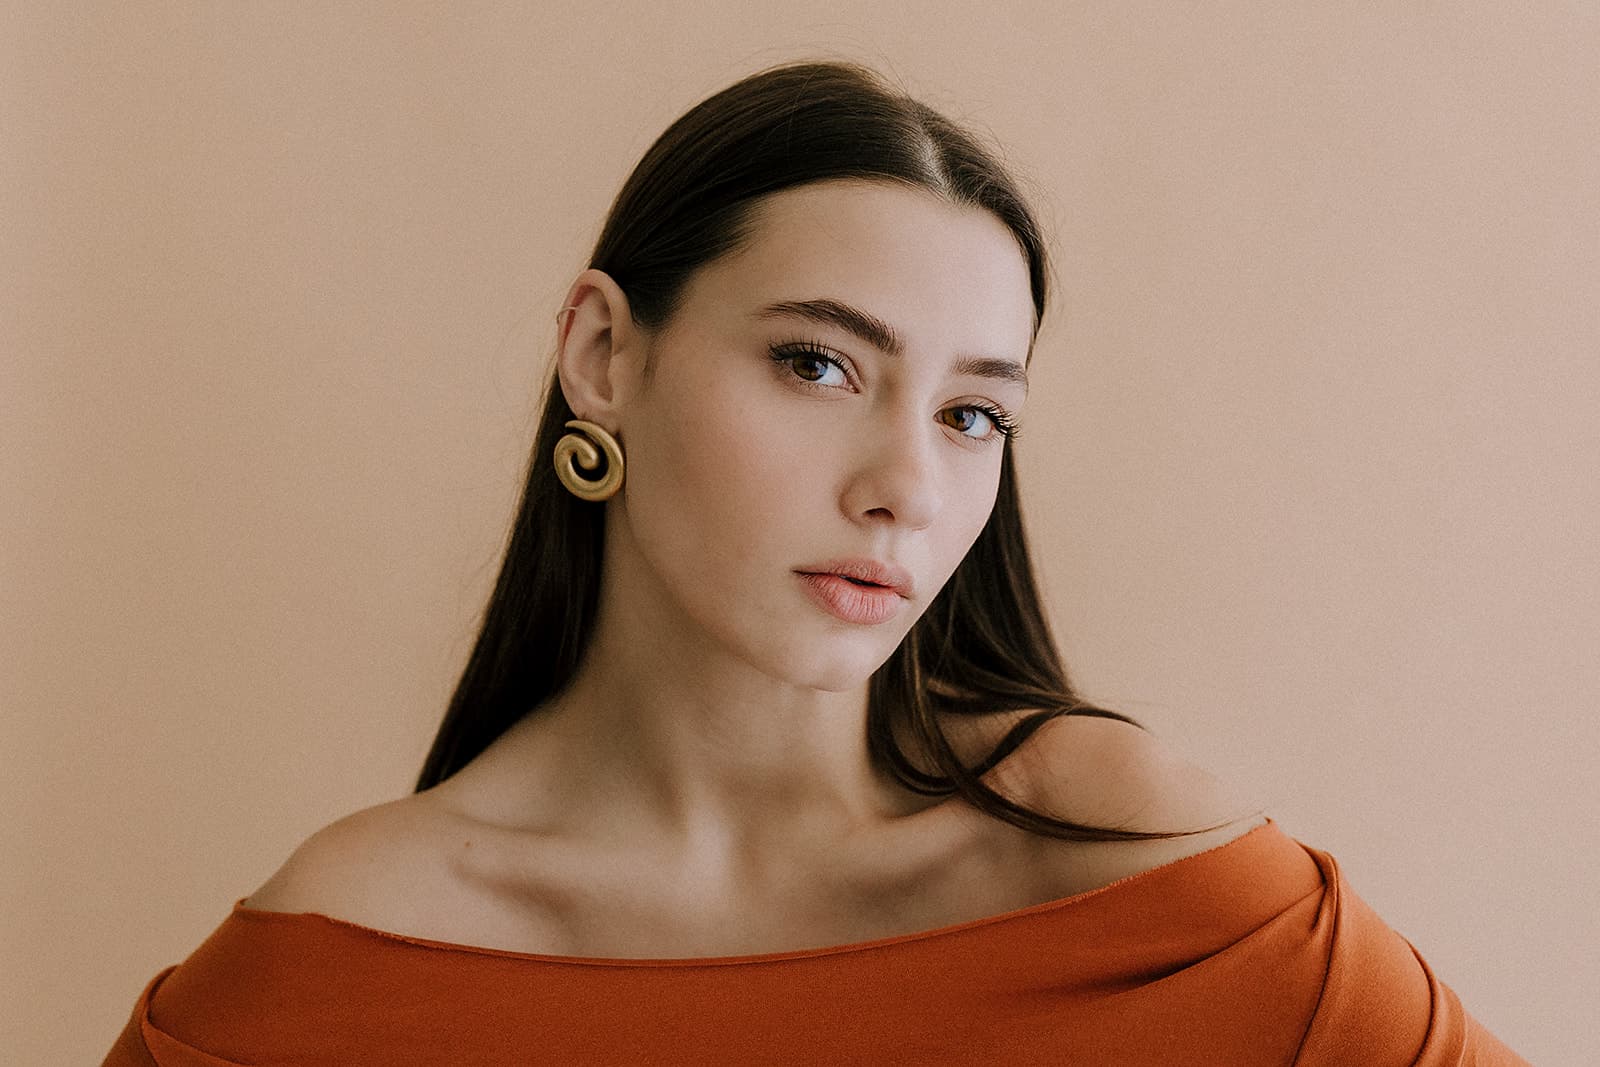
600, 352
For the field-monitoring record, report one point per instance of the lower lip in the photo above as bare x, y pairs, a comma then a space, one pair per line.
851, 602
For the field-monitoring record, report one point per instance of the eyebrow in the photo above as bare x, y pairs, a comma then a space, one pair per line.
880, 335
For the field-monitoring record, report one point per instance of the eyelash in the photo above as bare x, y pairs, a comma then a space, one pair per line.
1006, 425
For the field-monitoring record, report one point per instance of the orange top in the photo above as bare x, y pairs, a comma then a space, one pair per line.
1254, 952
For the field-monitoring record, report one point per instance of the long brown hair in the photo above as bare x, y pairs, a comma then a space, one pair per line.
984, 645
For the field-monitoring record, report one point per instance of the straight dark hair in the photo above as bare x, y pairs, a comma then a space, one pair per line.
984, 646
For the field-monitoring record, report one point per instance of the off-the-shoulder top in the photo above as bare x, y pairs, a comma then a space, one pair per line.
1254, 952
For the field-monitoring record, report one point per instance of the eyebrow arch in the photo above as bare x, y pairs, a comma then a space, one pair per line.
882, 336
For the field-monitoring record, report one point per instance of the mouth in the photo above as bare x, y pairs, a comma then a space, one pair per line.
865, 573
862, 582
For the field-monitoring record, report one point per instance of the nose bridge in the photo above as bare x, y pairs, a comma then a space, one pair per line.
900, 465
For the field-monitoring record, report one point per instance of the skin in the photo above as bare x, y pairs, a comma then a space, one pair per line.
718, 721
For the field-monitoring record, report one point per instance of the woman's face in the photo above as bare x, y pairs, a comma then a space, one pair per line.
743, 467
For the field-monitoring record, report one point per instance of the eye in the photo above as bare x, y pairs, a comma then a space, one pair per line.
809, 355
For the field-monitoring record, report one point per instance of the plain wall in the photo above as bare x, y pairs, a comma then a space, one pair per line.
1309, 467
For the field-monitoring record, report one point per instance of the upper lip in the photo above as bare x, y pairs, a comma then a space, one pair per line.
868, 570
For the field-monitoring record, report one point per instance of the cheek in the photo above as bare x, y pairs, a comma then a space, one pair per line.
965, 512
716, 482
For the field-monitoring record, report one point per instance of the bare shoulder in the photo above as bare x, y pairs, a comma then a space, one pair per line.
1105, 772
363, 867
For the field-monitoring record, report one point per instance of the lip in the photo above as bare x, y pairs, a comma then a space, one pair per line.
852, 603
896, 578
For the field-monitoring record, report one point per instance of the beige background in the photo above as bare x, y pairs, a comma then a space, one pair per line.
1310, 463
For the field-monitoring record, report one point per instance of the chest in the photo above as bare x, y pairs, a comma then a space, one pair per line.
595, 905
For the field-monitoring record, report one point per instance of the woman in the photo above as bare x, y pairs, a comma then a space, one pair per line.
765, 752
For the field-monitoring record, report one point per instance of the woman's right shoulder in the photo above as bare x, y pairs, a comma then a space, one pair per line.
363, 867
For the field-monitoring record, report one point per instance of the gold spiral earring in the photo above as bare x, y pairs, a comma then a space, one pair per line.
574, 446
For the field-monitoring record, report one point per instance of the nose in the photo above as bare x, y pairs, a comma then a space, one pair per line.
897, 478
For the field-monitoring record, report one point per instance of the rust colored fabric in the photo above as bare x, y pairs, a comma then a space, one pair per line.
1253, 953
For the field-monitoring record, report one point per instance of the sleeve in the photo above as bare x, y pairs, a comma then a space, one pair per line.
1381, 1003
143, 1044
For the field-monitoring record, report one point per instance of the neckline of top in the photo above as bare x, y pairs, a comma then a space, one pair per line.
257, 914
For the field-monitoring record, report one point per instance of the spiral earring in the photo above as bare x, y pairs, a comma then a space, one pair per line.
572, 445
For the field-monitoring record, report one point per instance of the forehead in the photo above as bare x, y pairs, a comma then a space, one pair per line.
947, 277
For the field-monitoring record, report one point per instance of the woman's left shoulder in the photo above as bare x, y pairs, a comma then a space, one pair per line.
1106, 772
